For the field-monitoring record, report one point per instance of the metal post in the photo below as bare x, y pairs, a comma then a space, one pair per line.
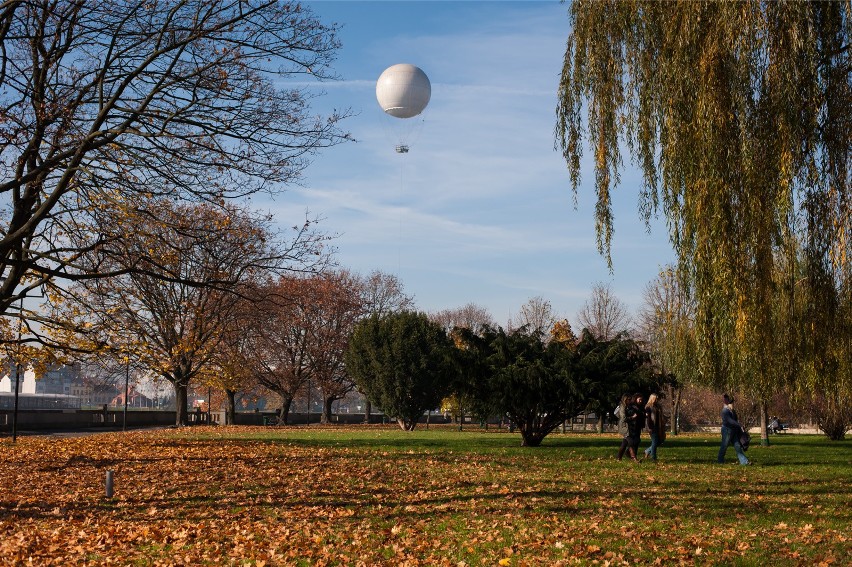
126, 390
109, 484
17, 373
15, 411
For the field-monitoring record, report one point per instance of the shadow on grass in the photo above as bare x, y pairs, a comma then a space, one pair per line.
387, 501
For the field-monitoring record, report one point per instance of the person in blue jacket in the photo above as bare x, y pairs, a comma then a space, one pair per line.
731, 430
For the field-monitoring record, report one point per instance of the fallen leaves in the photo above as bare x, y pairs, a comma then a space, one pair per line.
240, 496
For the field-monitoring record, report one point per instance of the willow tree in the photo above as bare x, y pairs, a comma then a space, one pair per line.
739, 115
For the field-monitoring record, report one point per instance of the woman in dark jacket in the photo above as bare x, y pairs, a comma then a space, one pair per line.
621, 413
635, 423
731, 431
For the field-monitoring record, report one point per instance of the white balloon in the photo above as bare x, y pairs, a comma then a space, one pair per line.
403, 90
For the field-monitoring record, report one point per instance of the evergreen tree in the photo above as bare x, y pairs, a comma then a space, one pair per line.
403, 362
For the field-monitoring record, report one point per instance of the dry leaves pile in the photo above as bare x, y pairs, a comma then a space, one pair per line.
229, 500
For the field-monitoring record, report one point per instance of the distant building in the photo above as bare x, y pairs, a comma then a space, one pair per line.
26, 381
103, 394
60, 380
135, 399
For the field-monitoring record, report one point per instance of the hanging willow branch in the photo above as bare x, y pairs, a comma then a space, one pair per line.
739, 115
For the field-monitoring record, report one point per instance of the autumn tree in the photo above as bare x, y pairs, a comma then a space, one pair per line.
739, 115
231, 368
155, 312
278, 338
106, 103
301, 332
403, 362
562, 332
827, 387
330, 321
667, 325
604, 315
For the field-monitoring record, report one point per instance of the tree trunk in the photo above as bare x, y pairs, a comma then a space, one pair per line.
406, 425
367, 408
326, 410
284, 412
601, 423
181, 413
231, 413
764, 423
675, 424
530, 438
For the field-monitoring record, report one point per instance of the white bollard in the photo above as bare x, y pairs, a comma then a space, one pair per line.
109, 484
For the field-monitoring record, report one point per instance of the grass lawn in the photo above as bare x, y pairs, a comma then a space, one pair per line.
373, 495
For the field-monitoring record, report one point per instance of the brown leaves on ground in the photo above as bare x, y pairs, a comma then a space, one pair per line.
219, 496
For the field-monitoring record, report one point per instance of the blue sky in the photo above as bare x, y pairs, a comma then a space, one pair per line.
481, 209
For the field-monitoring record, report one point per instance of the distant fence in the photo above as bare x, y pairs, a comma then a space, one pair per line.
39, 401
81, 419
58, 418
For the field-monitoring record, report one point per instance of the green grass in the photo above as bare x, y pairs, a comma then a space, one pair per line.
375, 495
571, 494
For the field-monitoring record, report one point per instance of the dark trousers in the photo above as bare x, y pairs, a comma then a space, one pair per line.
631, 443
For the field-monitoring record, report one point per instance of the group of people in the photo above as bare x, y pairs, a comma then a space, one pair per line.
633, 418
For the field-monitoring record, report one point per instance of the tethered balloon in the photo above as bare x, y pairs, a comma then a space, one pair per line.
403, 91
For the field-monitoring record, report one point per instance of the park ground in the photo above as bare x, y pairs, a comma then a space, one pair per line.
374, 495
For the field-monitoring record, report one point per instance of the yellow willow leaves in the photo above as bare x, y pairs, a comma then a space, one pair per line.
727, 106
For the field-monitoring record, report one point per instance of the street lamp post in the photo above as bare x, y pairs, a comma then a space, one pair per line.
126, 389
15, 411
17, 373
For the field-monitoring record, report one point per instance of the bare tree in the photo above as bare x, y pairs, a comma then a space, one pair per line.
470, 316
384, 294
108, 104
604, 315
537, 315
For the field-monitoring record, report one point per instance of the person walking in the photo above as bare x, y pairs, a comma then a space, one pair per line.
655, 422
731, 431
621, 414
635, 423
